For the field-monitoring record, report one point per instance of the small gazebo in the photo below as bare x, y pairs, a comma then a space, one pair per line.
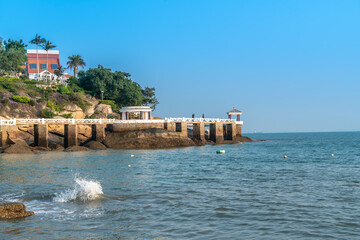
234, 112
135, 113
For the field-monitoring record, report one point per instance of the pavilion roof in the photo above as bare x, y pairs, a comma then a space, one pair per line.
234, 110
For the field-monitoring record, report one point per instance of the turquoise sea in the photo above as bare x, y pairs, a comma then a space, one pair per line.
251, 192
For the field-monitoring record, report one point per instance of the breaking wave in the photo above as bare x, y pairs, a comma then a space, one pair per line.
83, 190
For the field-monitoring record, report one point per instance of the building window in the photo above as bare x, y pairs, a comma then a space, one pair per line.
43, 66
54, 66
32, 65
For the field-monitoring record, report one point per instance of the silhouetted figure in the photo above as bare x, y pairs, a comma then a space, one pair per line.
203, 116
193, 115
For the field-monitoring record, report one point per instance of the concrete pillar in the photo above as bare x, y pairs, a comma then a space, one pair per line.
199, 131
41, 136
231, 131
181, 127
171, 126
217, 132
238, 129
98, 132
70, 135
3, 134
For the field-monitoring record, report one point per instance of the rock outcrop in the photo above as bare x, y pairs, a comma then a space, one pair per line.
18, 146
95, 145
76, 149
13, 210
150, 138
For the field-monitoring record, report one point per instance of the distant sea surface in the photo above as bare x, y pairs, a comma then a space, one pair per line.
251, 192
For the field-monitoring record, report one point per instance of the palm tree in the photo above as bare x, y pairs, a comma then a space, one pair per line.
59, 71
75, 62
47, 46
38, 41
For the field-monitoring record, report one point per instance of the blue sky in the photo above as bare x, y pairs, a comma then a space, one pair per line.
288, 65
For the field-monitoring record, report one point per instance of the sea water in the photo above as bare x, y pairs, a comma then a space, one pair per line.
251, 192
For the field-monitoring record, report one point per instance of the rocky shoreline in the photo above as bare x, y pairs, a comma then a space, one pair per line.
21, 140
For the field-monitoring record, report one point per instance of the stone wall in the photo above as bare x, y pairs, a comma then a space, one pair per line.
123, 127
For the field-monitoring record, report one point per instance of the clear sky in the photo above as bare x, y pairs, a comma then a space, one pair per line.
288, 65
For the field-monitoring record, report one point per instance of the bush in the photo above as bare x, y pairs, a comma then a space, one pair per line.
111, 103
67, 115
79, 100
5, 101
63, 90
47, 113
24, 77
32, 102
40, 100
111, 116
20, 99
54, 106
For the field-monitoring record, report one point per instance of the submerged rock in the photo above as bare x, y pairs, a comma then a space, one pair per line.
76, 149
150, 138
95, 145
13, 210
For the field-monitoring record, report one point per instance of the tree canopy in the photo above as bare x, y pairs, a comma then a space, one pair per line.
12, 56
117, 86
75, 61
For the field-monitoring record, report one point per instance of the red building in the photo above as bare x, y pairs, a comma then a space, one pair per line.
48, 61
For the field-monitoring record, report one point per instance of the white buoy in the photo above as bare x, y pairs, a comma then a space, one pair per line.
132, 155
129, 165
285, 156
332, 154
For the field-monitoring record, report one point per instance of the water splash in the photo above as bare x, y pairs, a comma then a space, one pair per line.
83, 190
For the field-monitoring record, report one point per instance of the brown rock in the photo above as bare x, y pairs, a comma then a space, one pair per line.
18, 147
56, 146
150, 138
76, 149
95, 145
104, 108
13, 210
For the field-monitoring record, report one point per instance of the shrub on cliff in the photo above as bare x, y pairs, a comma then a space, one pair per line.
46, 113
63, 90
32, 102
67, 115
78, 99
5, 101
111, 103
20, 99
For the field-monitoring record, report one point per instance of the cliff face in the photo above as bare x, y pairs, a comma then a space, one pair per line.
80, 106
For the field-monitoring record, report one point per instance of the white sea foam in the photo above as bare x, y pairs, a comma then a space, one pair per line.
83, 190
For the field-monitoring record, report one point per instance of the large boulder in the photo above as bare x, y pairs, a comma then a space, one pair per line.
103, 109
149, 138
19, 146
76, 149
95, 145
13, 210
74, 109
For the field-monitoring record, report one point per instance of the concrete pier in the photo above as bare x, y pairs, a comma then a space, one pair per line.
199, 131
41, 137
70, 135
171, 126
181, 127
3, 134
238, 129
217, 132
98, 132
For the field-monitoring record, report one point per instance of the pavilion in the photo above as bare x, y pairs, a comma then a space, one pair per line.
234, 112
135, 113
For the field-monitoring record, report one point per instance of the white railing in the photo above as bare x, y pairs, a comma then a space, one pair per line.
199, 120
15, 121
140, 121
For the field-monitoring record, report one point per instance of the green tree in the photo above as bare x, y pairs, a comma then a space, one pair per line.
17, 45
11, 60
75, 61
149, 97
37, 41
47, 46
117, 86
